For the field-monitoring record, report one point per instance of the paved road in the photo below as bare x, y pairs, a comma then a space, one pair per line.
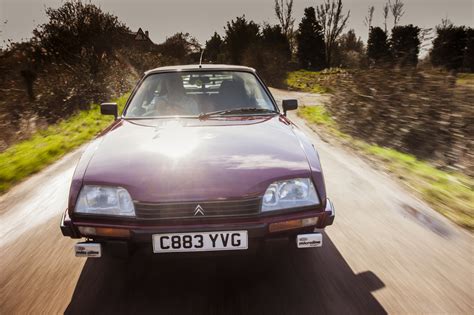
387, 252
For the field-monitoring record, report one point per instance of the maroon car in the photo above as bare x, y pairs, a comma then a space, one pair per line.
201, 159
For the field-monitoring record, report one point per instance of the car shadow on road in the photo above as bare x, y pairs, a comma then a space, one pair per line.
289, 282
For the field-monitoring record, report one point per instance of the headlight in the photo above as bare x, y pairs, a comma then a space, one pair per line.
293, 193
105, 200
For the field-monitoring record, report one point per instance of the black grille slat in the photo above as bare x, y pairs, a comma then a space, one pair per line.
163, 209
186, 210
208, 204
207, 213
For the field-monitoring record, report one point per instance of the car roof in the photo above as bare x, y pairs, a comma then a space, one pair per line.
204, 67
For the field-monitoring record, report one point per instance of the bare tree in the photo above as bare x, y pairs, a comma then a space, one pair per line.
397, 11
386, 9
446, 22
333, 22
369, 17
426, 39
284, 13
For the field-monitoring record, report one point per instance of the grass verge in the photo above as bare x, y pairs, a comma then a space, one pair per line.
450, 193
43, 148
306, 81
465, 79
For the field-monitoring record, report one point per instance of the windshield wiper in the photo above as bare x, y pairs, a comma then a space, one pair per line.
236, 111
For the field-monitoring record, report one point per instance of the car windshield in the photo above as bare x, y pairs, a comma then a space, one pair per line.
195, 93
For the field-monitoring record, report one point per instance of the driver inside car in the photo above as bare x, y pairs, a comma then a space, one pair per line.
173, 99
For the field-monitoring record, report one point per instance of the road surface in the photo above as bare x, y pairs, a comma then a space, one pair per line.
386, 253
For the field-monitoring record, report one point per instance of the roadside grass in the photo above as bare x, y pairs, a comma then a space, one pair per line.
306, 81
450, 193
465, 79
46, 146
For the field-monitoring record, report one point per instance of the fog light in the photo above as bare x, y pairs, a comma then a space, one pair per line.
113, 232
87, 230
292, 224
310, 221
285, 225
103, 231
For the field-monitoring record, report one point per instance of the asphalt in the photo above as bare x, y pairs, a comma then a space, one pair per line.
387, 252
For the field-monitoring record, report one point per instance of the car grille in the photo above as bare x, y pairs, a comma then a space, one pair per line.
184, 210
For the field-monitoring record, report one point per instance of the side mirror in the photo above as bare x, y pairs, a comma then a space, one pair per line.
289, 105
109, 109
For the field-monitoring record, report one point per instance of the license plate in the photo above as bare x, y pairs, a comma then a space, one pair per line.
200, 242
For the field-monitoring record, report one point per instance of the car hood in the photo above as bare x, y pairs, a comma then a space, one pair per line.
165, 160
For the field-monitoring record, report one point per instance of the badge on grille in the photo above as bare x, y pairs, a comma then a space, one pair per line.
198, 210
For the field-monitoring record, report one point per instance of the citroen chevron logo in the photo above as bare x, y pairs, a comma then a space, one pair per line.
198, 210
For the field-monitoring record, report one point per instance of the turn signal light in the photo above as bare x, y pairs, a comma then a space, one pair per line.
292, 224
103, 231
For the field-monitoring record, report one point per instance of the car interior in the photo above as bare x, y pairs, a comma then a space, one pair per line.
210, 91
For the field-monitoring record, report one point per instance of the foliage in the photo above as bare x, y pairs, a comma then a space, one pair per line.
77, 31
449, 192
134, 62
274, 39
397, 10
333, 21
349, 51
405, 45
378, 50
310, 42
469, 54
423, 113
369, 17
284, 13
308, 81
43, 148
465, 79
350, 41
270, 55
449, 46
386, 9
317, 114
240, 35
265, 48
80, 56
181, 46
213, 48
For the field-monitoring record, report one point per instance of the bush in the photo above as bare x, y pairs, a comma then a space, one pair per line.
378, 49
422, 113
449, 47
270, 55
269, 63
405, 45
310, 40
82, 55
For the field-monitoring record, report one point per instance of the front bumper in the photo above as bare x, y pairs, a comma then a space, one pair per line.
257, 229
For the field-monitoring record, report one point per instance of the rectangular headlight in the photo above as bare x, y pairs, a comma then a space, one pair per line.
105, 200
292, 193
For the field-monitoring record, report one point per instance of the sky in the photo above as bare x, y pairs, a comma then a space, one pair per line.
200, 18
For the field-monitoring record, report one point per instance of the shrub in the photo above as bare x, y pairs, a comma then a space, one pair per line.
422, 113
